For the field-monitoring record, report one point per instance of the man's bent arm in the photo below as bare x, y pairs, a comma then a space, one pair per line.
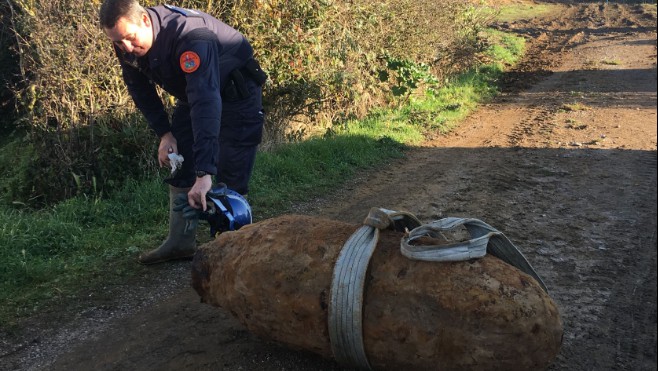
146, 99
203, 94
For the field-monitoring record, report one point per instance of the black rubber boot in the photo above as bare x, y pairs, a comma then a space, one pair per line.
181, 242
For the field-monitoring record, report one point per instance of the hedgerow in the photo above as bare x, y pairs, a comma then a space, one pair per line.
328, 61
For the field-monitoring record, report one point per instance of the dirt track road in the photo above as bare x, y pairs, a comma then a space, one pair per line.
564, 163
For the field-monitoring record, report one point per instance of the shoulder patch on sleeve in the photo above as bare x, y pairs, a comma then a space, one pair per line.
189, 61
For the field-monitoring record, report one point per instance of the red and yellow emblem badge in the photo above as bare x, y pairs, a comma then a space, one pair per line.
189, 61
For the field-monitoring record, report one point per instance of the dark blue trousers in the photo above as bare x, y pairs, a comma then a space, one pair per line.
239, 136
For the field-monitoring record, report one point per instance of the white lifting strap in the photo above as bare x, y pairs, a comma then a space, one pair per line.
484, 238
346, 304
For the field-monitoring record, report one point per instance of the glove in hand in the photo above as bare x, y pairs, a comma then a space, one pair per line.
190, 213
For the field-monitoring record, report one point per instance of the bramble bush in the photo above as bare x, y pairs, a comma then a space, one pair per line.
328, 61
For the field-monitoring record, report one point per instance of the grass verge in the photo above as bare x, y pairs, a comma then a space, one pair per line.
51, 256
526, 10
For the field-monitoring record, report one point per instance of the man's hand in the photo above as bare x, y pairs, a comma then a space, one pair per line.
168, 145
196, 197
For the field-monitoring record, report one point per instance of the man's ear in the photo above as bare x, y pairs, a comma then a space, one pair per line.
146, 20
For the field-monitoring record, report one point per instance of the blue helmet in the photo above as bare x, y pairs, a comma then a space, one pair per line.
227, 210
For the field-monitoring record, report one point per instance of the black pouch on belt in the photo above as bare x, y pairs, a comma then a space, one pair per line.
236, 87
253, 70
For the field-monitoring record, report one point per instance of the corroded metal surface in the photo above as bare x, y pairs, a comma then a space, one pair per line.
275, 277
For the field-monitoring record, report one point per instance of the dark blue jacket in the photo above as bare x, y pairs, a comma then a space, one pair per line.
220, 49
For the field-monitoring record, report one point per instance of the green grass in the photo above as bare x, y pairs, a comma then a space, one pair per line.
516, 12
295, 172
505, 49
440, 109
611, 62
52, 256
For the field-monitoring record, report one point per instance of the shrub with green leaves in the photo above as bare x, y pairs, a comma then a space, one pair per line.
324, 57
53, 254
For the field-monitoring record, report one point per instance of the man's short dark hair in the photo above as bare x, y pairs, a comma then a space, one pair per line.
112, 10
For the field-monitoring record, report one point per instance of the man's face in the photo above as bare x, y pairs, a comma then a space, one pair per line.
129, 37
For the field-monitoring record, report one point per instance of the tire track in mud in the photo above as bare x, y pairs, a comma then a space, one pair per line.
595, 256
634, 292
540, 122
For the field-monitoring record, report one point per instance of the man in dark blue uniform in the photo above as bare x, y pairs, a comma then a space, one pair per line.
209, 68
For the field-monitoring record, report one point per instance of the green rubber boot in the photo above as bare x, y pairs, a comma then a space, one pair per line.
181, 242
